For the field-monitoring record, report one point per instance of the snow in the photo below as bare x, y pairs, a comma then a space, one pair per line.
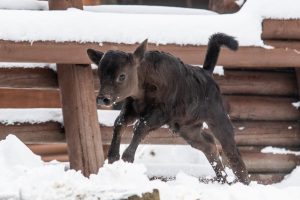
296, 104
23, 5
38, 180
27, 65
137, 9
129, 9
240, 2
22, 25
40, 115
275, 150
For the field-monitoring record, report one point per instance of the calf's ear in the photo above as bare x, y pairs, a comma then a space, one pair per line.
140, 50
95, 55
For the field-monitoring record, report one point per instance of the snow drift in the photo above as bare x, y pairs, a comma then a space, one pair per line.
24, 176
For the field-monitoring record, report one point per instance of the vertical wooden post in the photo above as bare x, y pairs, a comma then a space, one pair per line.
79, 110
297, 71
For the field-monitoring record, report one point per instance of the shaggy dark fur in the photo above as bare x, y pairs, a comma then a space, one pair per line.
160, 89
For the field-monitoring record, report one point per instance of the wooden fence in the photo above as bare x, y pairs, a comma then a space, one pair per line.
258, 87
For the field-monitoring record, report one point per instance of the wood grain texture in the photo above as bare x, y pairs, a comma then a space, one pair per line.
254, 134
274, 83
72, 52
28, 78
238, 106
50, 132
80, 118
29, 98
261, 108
281, 29
257, 83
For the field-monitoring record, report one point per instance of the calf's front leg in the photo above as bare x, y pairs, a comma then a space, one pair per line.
155, 119
126, 116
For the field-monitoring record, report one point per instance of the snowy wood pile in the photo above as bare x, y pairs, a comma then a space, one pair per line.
259, 87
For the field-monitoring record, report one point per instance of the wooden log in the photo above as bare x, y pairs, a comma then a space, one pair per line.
92, 2
257, 83
239, 107
263, 133
261, 108
58, 157
72, 52
247, 133
79, 111
50, 132
49, 149
29, 98
267, 178
293, 45
281, 29
28, 78
64, 4
233, 82
270, 163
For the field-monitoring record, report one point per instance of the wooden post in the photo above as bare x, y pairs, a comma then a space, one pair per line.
79, 110
223, 6
297, 70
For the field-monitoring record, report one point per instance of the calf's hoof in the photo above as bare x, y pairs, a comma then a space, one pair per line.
128, 157
113, 158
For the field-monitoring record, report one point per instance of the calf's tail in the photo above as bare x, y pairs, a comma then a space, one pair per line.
214, 45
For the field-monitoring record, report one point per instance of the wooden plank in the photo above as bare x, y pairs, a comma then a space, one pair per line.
79, 110
233, 82
72, 52
281, 29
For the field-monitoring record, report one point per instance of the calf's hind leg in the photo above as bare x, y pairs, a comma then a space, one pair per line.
223, 131
205, 142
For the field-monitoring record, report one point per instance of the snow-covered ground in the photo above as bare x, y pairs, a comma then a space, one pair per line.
24, 175
129, 28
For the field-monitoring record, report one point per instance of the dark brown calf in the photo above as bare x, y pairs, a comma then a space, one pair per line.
160, 89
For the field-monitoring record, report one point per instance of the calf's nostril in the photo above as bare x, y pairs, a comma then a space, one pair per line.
106, 101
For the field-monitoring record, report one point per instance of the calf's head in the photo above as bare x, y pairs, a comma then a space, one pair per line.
118, 75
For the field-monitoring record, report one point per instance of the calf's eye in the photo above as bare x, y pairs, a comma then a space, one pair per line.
121, 78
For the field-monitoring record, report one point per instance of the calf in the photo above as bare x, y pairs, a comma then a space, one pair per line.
160, 89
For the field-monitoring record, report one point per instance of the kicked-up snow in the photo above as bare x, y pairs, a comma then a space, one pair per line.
23, 176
